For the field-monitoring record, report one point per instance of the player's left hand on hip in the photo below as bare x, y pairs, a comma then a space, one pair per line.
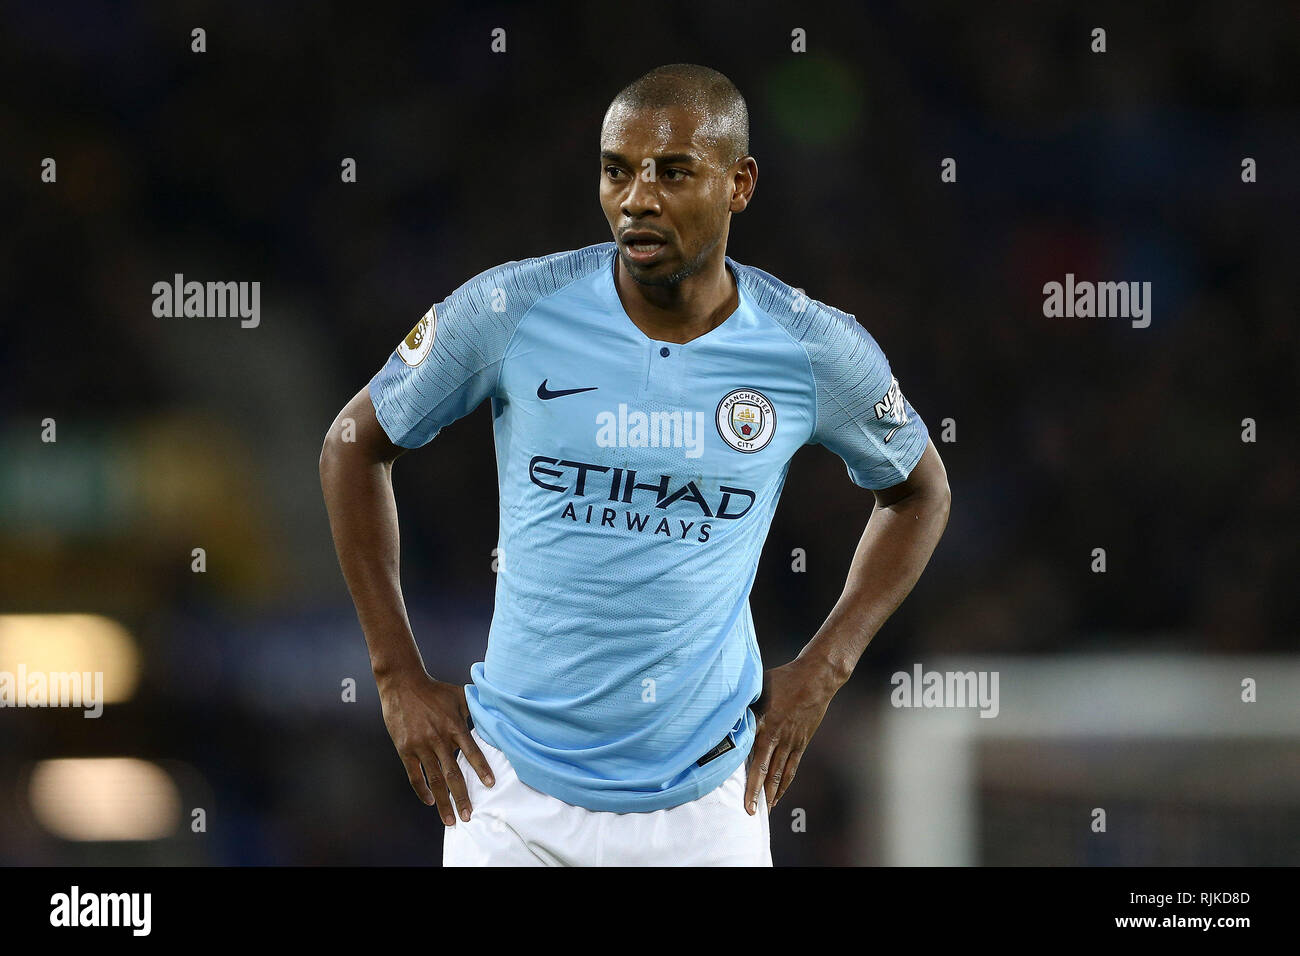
794, 701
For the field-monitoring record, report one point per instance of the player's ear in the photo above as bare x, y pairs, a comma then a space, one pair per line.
744, 179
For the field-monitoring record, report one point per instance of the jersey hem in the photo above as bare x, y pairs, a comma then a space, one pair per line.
905, 471
713, 775
381, 414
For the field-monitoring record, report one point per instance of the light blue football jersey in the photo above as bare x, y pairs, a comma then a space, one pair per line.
637, 483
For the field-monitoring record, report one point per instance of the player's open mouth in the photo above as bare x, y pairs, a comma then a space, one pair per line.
643, 251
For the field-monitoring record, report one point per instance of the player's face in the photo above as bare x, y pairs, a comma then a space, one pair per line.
663, 183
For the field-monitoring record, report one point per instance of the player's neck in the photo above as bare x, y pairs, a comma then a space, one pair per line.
679, 313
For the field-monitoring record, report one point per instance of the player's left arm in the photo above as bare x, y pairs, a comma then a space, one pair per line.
901, 534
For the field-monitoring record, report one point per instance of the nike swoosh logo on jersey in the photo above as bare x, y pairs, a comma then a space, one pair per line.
545, 393
891, 432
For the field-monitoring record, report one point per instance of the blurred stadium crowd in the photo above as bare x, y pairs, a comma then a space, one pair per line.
176, 434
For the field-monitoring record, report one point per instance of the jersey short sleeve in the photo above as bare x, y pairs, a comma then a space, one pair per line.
862, 415
450, 362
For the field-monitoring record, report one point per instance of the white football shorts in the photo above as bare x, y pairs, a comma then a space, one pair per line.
515, 825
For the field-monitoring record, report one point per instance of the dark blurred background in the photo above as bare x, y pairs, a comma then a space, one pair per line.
1070, 433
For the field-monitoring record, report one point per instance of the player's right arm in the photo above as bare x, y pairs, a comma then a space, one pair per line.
426, 718
448, 365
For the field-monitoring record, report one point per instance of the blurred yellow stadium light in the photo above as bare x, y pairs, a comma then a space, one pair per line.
71, 643
104, 798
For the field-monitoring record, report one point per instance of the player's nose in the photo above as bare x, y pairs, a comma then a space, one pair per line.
642, 197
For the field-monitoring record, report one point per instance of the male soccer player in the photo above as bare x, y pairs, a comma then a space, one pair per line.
647, 395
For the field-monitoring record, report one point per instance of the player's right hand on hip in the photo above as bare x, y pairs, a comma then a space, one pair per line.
428, 720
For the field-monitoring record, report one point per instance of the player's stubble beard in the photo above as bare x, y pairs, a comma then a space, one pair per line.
642, 276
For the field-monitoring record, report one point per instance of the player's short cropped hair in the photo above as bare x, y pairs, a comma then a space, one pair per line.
700, 89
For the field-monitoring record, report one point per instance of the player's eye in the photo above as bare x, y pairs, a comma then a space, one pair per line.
681, 174
612, 172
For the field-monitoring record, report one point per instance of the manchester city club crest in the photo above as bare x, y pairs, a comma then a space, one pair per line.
746, 420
